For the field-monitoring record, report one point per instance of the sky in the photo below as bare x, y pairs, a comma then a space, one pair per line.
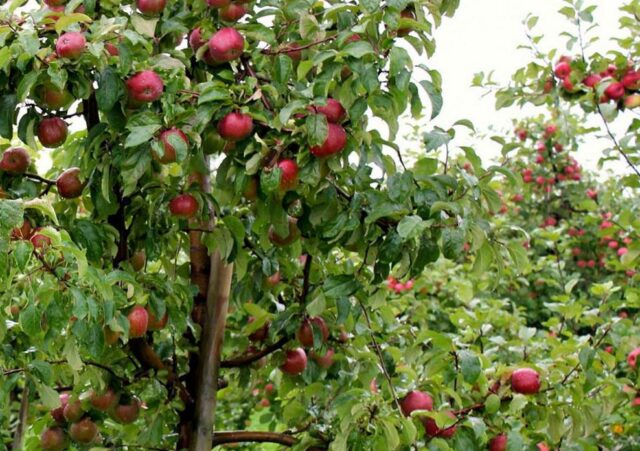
483, 36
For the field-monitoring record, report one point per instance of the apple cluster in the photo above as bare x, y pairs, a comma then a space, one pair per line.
398, 287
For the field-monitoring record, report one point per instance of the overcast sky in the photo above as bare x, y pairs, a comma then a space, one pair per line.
484, 36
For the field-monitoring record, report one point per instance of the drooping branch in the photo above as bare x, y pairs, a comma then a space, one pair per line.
221, 438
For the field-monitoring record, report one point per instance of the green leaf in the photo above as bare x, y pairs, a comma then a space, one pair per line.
8, 104
141, 135
69, 19
317, 129
358, 49
410, 227
109, 89
470, 366
435, 96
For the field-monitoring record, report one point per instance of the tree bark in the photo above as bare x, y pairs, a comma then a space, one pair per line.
210, 352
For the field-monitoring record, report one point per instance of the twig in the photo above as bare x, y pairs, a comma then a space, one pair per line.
248, 359
615, 141
305, 275
299, 47
220, 438
39, 179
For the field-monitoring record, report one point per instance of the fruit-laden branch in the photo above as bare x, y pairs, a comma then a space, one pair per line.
221, 438
210, 351
245, 360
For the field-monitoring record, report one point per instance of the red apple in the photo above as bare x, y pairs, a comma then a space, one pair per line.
218, 3
169, 151
58, 412
145, 86
126, 413
333, 110
295, 363
632, 358
112, 49
151, 7
334, 143
325, 361
233, 12
154, 323
631, 80
550, 130
498, 443
226, 45
69, 184
73, 411
592, 80
273, 279
416, 400
52, 132
525, 381
138, 321
15, 161
23, 232
615, 91
195, 39
183, 205
433, 430
288, 174
39, 241
138, 260
305, 331
71, 45
235, 126
261, 334
53, 98
104, 401
84, 431
562, 70
53, 439
294, 234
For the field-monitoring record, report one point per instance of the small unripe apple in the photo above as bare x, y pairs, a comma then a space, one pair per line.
69, 184
294, 234
334, 143
333, 110
52, 97
288, 174
406, 14
235, 126
498, 443
226, 45
58, 412
432, 429
233, 12
53, 439
145, 86
52, 132
126, 413
71, 45
84, 431
195, 39
632, 358
73, 411
324, 361
261, 334
525, 381
305, 331
104, 401
184, 206
111, 337
295, 363
138, 260
250, 191
155, 323
615, 91
15, 161
416, 400
151, 7
138, 321
169, 155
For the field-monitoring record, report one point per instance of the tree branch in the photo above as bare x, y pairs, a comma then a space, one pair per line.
245, 360
221, 438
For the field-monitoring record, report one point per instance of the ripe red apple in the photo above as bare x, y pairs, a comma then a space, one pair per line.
154, 323
23, 232
550, 130
104, 401
416, 400
261, 334
406, 14
69, 184
294, 234
112, 49
333, 110
15, 161
169, 151
525, 381
73, 410
233, 12
235, 126
183, 205
218, 3
195, 39
562, 70
52, 132
288, 174
84, 431
264, 402
126, 413
226, 45
295, 363
334, 143
151, 7
53, 439
592, 80
145, 86
498, 443
292, 50
138, 321
58, 412
324, 361
615, 91
632, 358
631, 80
71, 45
305, 331
269, 388
433, 430
39, 241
